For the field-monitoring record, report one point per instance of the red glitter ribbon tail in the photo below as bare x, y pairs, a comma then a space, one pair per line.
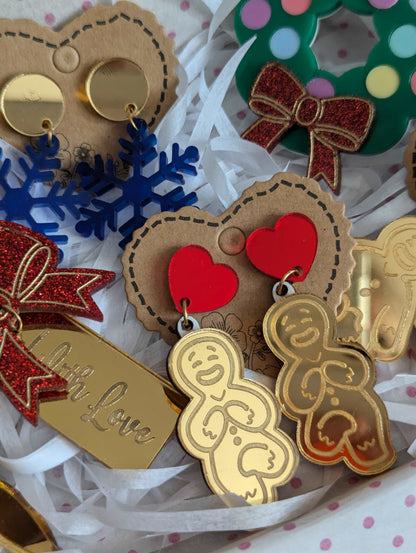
33, 380
265, 133
324, 163
67, 290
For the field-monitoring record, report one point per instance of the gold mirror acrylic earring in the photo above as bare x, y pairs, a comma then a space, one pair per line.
32, 104
231, 424
22, 529
117, 89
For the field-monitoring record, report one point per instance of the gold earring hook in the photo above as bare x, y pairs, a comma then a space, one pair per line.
131, 111
297, 271
48, 127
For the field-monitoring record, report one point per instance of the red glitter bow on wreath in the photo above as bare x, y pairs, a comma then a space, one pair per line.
29, 282
338, 123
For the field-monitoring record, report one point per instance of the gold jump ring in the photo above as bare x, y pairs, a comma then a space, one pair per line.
186, 323
298, 271
48, 127
131, 110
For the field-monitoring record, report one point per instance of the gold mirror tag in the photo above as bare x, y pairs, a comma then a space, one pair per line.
22, 529
116, 409
327, 387
116, 85
28, 100
231, 423
383, 291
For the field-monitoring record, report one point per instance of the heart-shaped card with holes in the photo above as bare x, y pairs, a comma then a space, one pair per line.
122, 33
225, 266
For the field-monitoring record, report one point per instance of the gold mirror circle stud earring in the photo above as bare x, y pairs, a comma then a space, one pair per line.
32, 104
117, 89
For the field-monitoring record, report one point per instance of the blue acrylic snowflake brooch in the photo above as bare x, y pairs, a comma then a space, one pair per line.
138, 190
18, 203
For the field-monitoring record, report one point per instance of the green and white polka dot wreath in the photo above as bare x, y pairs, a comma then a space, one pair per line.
285, 30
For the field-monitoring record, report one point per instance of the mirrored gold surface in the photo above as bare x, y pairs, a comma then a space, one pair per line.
116, 409
113, 85
231, 423
327, 387
28, 100
22, 529
383, 290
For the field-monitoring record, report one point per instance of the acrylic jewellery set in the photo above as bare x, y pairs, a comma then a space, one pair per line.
273, 290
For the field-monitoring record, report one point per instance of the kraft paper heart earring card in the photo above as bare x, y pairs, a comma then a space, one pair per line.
322, 234
132, 71
78, 111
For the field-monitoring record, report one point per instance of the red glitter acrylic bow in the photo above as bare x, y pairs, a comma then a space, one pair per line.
334, 124
29, 282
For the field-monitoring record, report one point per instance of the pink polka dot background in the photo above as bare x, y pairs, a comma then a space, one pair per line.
174, 537
49, 18
325, 544
342, 39
410, 500
352, 480
411, 391
66, 507
289, 526
368, 522
398, 541
296, 482
182, 19
375, 484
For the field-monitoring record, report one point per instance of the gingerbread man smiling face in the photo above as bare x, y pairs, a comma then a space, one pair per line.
327, 387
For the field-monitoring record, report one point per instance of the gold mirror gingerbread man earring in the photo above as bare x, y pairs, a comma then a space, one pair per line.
382, 297
324, 385
231, 424
327, 387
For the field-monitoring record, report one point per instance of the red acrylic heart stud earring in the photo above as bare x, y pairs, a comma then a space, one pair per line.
285, 252
291, 243
197, 284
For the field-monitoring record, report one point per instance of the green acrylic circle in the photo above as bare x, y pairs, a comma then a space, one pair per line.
392, 113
